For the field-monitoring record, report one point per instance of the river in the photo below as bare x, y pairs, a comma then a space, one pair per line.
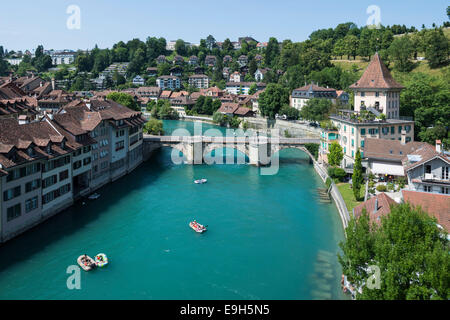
268, 236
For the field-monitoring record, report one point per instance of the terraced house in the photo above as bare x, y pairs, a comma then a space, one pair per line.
47, 164
37, 164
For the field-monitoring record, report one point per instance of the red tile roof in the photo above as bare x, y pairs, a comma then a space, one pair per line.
377, 76
436, 205
383, 208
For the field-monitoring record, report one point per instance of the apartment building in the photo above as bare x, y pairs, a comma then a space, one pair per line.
47, 164
376, 117
168, 82
377, 89
36, 164
200, 81
301, 96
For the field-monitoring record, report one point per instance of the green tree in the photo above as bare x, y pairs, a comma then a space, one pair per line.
272, 52
357, 177
272, 99
401, 51
364, 43
180, 47
289, 112
437, 48
351, 46
339, 48
154, 126
336, 154
124, 99
316, 109
408, 248
253, 88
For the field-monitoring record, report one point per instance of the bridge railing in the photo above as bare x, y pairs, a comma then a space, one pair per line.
229, 140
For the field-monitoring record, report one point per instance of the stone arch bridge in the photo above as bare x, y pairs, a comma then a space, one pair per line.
259, 149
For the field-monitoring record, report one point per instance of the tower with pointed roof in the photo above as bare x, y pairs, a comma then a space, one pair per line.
377, 89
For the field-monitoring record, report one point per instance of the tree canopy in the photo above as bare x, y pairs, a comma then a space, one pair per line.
409, 249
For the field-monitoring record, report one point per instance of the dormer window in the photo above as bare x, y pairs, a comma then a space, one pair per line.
30, 152
63, 145
49, 148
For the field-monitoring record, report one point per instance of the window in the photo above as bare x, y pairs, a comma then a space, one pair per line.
120, 145
445, 173
363, 94
400, 129
362, 143
47, 182
63, 175
86, 161
353, 130
32, 185
77, 165
427, 188
14, 212
11, 193
445, 190
377, 94
345, 128
392, 130
353, 143
385, 130
353, 153
31, 204
427, 168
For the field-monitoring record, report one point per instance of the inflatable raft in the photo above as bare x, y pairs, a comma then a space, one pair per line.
197, 227
101, 260
86, 262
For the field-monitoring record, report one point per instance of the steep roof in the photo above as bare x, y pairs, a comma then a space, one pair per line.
383, 207
436, 205
377, 76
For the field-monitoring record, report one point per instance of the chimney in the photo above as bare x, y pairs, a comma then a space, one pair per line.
375, 208
88, 105
438, 146
53, 83
403, 138
40, 84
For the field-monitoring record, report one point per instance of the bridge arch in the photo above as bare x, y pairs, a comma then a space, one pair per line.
210, 147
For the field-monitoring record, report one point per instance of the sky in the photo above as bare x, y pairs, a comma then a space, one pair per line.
29, 23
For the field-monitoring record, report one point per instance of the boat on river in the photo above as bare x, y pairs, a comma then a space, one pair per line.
200, 181
86, 262
197, 227
101, 260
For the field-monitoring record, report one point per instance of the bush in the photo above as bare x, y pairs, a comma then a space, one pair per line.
381, 188
371, 184
390, 186
313, 148
337, 173
328, 183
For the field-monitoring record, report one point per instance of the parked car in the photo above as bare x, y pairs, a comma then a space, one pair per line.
313, 124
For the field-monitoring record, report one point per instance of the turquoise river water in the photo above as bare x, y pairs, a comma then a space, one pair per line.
268, 236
